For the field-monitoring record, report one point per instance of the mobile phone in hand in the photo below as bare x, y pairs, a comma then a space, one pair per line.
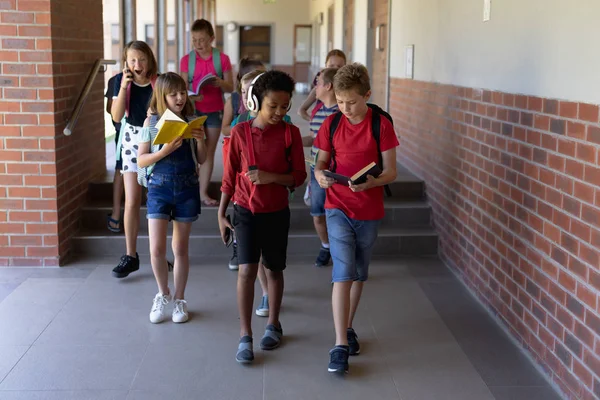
228, 234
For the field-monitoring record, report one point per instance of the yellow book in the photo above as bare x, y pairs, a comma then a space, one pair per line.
170, 126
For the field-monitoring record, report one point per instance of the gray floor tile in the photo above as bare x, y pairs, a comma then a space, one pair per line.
7, 288
31, 307
65, 395
9, 356
75, 368
524, 393
14, 274
206, 367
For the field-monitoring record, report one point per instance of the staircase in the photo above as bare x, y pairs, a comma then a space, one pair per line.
405, 230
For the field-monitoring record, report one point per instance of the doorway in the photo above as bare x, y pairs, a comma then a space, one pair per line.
330, 22
379, 52
302, 52
255, 42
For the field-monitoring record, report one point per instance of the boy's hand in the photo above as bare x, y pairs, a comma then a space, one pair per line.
196, 98
323, 181
370, 183
258, 177
174, 145
223, 225
198, 133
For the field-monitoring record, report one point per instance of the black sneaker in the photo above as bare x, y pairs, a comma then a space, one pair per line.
127, 265
233, 262
324, 258
338, 360
353, 342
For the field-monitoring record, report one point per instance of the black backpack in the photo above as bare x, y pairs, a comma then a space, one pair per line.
376, 114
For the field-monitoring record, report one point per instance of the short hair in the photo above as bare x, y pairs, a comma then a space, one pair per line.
246, 65
166, 83
144, 48
249, 77
328, 74
273, 81
352, 76
335, 53
203, 25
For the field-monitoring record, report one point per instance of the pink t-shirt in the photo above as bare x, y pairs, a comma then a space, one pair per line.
213, 97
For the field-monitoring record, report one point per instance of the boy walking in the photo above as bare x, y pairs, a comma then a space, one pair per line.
352, 211
325, 94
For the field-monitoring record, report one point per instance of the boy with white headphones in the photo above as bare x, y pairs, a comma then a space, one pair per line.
265, 162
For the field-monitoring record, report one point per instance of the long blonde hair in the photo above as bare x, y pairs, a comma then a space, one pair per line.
166, 83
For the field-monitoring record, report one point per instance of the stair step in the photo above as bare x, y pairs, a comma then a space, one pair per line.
397, 214
391, 241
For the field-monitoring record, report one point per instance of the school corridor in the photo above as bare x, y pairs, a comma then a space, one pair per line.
485, 283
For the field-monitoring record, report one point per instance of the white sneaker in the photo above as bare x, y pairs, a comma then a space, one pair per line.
180, 313
157, 313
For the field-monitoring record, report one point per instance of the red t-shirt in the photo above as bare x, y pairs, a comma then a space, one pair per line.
270, 155
213, 97
355, 147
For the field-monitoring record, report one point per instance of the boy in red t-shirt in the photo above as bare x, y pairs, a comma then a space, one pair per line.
209, 102
352, 211
265, 160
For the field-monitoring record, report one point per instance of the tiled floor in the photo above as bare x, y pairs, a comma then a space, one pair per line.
76, 333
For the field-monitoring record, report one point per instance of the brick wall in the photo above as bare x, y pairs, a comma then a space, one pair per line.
514, 182
46, 51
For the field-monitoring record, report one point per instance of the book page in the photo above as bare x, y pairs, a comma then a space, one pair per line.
168, 115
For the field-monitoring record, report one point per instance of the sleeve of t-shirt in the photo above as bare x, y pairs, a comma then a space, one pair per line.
183, 63
232, 164
144, 135
225, 62
322, 140
117, 87
388, 139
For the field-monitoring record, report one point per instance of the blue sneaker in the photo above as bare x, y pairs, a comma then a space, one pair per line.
324, 258
354, 347
263, 308
272, 338
338, 360
245, 354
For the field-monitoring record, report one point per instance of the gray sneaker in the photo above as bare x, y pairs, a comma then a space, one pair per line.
263, 308
245, 354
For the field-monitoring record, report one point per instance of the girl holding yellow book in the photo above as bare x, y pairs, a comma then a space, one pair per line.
173, 191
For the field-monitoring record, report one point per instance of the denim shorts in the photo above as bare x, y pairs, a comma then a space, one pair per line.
351, 245
173, 197
214, 120
317, 197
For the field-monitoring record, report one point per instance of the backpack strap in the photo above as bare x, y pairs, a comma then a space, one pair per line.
288, 149
332, 128
376, 128
128, 96
235, 104
318, 105
191, 68
216, 55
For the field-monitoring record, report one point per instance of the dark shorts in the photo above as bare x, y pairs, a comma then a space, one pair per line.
173, 197
214, 120
119, 163
262, 234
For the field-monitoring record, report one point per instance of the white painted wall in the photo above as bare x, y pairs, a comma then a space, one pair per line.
281, 15
537, 47
361, 31
321, 6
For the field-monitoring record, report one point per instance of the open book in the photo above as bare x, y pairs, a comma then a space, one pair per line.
358, 178
170, 126
207, 80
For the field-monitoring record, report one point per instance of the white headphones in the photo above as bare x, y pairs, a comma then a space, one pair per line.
253, 105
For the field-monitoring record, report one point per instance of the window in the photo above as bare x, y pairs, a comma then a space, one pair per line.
149, 31
115, 33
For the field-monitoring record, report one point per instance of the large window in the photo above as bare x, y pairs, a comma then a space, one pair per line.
171, 44
255, 42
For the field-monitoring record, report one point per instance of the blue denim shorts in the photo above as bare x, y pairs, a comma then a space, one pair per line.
214, 120
317, 197
173, 197
351, 245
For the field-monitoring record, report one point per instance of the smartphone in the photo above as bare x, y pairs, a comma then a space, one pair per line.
228, 234
128, 73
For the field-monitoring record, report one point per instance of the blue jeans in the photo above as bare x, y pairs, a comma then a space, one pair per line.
213, 120
317, 196
351, 245
173, 197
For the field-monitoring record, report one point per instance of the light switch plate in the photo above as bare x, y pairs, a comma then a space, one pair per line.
487, 10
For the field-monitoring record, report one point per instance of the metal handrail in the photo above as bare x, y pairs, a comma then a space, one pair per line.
84, 94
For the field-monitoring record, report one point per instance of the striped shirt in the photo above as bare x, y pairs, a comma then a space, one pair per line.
316, 122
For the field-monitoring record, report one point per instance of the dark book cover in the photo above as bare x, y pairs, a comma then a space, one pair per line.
358, 178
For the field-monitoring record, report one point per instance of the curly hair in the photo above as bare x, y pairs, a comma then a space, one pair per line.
272, 81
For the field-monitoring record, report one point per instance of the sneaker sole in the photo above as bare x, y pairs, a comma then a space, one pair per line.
122, 275
180, 322
233, 267
270, 348
337, 370
262, 313
354, 354
244, 361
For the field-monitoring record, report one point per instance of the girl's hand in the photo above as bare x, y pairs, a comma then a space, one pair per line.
198, 134
223, 225
323, 181
171, 147
127, 78
258, 177
196, 98
370, 183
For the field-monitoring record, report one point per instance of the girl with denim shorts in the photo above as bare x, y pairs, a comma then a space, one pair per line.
173, 192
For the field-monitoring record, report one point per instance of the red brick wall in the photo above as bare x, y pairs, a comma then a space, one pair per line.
514, 182
46, 51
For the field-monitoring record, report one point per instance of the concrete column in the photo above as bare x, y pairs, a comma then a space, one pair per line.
128, 20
